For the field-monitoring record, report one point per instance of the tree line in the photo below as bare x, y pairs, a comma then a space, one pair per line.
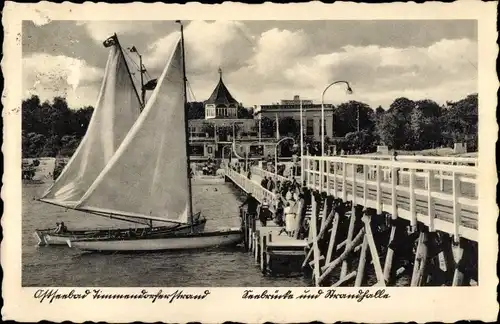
51, 129
404, 125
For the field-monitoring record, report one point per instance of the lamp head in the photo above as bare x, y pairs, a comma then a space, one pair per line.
349, 89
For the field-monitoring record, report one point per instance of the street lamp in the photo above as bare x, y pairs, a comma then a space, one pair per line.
276, 155
223, 151
349, 91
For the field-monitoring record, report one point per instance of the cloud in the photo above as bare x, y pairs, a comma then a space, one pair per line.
57, 75
372, 70
99, 31
209, 45
264, 64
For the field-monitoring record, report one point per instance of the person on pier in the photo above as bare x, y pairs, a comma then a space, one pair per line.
264, 213
252, 205
279, 213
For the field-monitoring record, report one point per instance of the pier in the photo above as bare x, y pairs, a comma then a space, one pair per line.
415, 216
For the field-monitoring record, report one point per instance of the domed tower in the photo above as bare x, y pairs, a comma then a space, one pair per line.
221, 103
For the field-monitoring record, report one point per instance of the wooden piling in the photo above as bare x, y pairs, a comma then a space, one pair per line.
373, 248
361, 264
420, 263
329, 267
263, 256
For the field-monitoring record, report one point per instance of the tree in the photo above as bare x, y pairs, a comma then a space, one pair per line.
426, 125
361, 142
268, 127
394, 129
244, 113
460, 122
196, 110
289, 127
346, 118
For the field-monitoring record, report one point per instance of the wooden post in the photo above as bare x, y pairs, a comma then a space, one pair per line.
329, 267
456, 207
430, 200
361, 264
350, 233
257, 246
263, 256
394, 197
365, 184
316, 254
379, 190
335, 186
413, 210
324, 225
333, 235
373, 250
420, 261
459, 256
344, 181
244, 219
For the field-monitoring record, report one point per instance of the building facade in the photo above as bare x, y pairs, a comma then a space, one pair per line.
221, 104
311, 115
213, 136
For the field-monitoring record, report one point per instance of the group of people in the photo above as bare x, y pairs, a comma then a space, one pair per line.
60, 228
286, 207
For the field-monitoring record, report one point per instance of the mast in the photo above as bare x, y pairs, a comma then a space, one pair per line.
128, 71
142, 70
186, 126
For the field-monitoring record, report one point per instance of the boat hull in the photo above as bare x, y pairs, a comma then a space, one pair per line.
172, 242
48, 237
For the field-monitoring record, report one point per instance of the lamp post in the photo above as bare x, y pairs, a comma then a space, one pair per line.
349, 91
276, 155
301, 145
223, 151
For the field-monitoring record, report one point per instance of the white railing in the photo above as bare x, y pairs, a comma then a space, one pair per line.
263, 173
414, 191
252, 187
453, 160
441, 174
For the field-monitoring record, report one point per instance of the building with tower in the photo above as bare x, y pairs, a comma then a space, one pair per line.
221, 104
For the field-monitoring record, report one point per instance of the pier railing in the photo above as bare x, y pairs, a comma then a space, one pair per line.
263, 173
441, 196
252, 187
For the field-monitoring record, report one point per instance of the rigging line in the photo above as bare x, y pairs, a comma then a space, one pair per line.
191, 90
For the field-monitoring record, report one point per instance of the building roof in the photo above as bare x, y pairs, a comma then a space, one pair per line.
220, 95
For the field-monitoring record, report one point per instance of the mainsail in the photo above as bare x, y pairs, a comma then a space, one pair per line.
147, 176
116, 110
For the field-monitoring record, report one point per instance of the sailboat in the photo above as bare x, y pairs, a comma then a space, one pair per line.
117, 109
149, 175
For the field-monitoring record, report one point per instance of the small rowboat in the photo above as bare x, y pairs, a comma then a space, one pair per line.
165, 242
48, 237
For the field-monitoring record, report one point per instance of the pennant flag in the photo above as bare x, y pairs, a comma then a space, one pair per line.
110, 41
151, 84
133, 50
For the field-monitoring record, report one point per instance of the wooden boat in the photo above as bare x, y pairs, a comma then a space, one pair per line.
117, 109
47, 237
148, 177
170, 242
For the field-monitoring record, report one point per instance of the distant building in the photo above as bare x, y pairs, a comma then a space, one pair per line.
221, 103
214, 135
311, 114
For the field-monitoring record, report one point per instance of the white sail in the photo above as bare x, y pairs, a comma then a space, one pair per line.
147, 176
116, 110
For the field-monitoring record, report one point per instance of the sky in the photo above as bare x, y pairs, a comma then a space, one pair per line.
264, 61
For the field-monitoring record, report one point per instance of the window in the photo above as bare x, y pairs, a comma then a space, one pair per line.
310, 127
